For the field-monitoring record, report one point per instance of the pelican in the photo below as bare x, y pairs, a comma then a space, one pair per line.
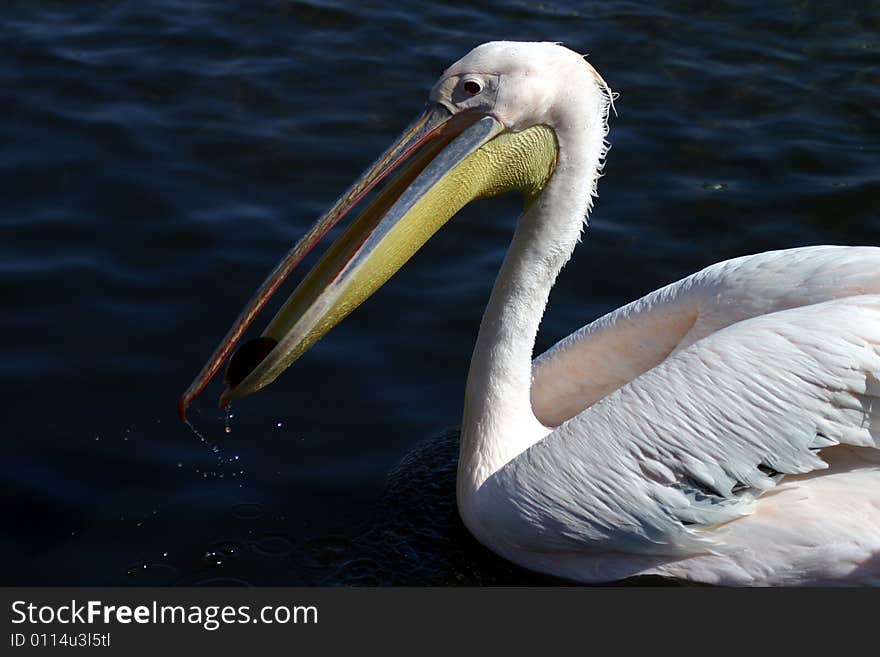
722, 429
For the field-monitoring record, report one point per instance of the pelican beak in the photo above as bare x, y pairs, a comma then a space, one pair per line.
442, 161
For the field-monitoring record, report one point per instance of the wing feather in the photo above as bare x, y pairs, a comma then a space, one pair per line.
613, 350
697, 439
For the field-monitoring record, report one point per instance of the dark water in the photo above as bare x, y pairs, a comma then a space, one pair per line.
159, 157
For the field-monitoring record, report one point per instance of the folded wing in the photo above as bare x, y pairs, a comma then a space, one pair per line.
615, 349
694, 441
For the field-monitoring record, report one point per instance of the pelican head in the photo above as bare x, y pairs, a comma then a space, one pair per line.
497, 120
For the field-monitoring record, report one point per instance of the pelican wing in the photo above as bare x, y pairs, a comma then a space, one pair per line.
695, 440
613, 350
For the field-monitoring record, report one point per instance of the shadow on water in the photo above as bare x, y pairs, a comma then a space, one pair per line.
418, 538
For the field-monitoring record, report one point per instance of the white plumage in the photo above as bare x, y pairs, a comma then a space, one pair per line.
657, 466
722, 429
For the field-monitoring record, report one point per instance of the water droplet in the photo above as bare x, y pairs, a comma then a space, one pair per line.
221, 553
213, 558
137, 568
214, 448
152, 574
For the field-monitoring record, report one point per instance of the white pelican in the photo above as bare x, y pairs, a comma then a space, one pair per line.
722, 429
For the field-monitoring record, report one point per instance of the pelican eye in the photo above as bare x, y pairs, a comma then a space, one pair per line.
472, 87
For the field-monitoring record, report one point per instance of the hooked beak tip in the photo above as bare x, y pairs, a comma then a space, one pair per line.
181, 408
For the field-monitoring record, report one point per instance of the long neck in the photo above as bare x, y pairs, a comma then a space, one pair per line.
498, 422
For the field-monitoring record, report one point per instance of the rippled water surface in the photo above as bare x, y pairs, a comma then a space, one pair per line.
159, 157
